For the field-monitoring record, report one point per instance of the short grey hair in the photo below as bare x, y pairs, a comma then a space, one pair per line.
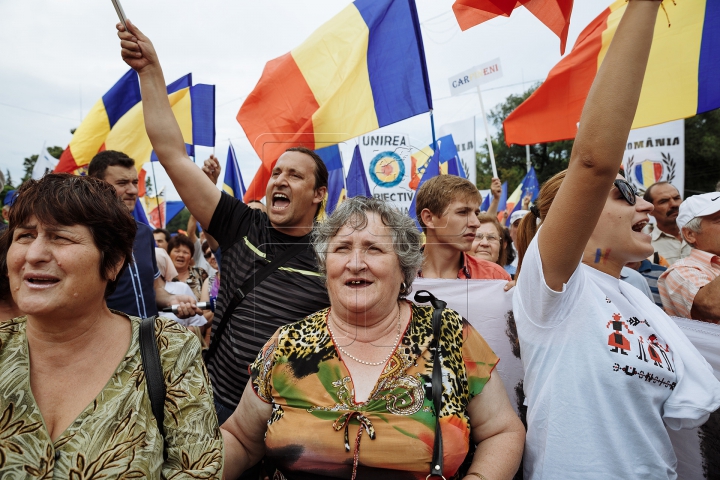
353, 212
693, 225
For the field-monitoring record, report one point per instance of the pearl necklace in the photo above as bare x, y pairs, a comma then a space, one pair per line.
372, 364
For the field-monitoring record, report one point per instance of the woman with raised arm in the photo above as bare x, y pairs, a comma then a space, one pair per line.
605, 369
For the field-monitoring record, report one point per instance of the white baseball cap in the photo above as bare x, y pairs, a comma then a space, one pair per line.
698, 206
517, 215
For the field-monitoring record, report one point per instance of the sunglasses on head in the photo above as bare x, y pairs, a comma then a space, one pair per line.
627, 190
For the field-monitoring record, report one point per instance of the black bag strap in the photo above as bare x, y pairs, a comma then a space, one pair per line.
423, 296
154, 378
244, 290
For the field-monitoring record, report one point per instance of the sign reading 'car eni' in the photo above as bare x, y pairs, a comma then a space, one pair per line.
478, 75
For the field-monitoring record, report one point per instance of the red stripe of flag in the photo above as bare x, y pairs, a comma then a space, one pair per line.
553, 111
277, 115
555, 14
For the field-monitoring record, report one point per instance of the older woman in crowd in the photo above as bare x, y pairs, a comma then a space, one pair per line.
343, 392
605, 369
489, 243
73, 390
182, 250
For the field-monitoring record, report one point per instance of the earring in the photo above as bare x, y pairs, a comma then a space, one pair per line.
403, 288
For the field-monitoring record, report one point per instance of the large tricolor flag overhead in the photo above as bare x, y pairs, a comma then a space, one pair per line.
682, 77
363, 69
555, 14
116, 122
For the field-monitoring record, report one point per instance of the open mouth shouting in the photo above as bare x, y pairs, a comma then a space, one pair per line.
280, 201
639, 226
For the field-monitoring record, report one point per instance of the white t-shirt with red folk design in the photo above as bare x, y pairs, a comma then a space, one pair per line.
601, 375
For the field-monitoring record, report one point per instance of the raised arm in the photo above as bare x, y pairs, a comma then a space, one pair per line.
495, 191
596, 156
197, 191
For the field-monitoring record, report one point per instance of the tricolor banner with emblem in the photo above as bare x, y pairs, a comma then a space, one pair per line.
656, 154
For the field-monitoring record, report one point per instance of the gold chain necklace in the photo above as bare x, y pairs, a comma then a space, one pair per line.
372, 364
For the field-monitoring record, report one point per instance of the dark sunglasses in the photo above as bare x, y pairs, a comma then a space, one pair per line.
627, 190
208, 254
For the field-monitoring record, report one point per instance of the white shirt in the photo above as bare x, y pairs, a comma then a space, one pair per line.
182, 288
601, 376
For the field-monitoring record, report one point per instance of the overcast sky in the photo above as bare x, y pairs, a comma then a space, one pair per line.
59, 57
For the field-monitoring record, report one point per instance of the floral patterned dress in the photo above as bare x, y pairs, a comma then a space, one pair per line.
318, 431
116, 436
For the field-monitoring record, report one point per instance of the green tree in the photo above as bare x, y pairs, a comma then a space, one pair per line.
702, 152
29, 162
546, 158
148, 186
179, 222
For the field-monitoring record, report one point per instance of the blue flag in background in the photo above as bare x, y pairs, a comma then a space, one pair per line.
455, 167
233, 184
503, 198
139, 213
357, 184
529, 185
432, 170
336, 178
485, 206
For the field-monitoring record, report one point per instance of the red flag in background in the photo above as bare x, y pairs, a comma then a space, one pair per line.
555, 14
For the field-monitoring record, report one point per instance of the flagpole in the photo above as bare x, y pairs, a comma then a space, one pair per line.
487, 134
432, 127
527, 156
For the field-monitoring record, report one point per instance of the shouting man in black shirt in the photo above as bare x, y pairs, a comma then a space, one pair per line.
248, 238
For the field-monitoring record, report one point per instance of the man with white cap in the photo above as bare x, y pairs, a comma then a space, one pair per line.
690, 288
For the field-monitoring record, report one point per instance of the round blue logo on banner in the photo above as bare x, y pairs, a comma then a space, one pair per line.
387, 169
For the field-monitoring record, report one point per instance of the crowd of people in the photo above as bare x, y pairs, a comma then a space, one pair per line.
314, 362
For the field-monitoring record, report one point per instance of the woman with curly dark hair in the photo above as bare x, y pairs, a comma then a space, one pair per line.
73, 388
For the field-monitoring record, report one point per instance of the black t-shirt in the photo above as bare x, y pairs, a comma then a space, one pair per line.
292, 292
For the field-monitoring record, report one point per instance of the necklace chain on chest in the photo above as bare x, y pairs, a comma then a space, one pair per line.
372, 364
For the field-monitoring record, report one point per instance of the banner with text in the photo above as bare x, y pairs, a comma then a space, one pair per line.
656, 154
474, 77
463, 133
389, 167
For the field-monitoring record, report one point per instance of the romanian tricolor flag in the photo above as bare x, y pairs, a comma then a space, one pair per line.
555, 14
363, 69
116, 122
682, 77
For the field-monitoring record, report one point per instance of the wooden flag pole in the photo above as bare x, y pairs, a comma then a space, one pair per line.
487, 134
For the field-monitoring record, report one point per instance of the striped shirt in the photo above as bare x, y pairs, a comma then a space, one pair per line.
292, 292
681, 282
